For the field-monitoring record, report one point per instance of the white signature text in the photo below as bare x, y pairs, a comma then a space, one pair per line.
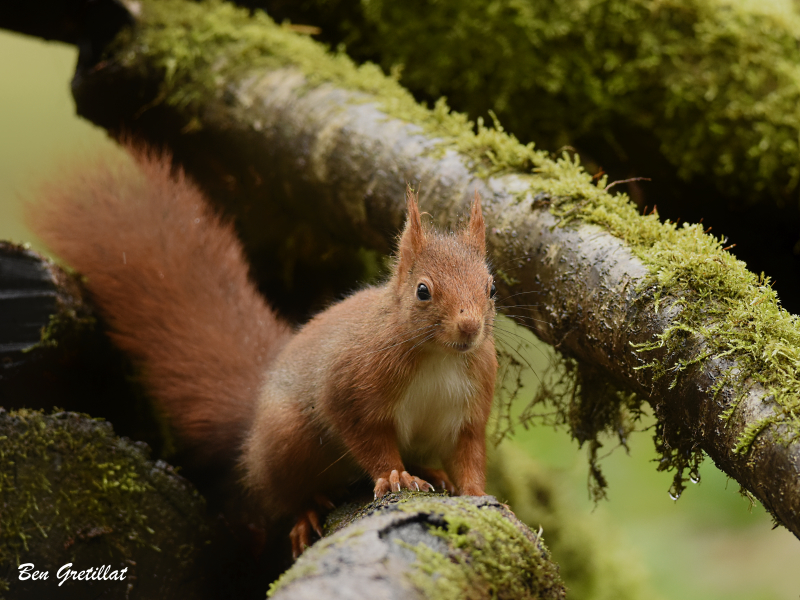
66, 572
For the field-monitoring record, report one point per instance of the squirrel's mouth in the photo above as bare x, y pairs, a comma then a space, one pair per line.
466, 347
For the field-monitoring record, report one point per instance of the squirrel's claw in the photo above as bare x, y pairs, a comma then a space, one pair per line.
324, 502
382, 487
394, 480
400, 481
437, 475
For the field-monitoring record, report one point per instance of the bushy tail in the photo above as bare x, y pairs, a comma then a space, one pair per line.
170, 278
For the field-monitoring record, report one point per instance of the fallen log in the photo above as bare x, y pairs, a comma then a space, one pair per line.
54, 351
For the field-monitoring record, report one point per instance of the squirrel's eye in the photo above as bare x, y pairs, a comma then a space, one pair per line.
493, 291
423, 293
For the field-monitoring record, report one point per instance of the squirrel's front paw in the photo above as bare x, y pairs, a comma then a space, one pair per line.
397, 481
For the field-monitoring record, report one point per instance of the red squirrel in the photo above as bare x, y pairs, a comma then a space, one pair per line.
392, 376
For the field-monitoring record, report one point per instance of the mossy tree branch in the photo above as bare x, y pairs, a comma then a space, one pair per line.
682, 92
306, 148
415, 546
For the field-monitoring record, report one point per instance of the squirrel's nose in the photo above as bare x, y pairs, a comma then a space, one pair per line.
469, 326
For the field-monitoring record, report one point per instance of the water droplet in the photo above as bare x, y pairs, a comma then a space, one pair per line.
674, 493
694, 475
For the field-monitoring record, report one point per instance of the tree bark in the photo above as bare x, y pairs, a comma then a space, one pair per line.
33, 292
412, 546
54, 351
335, 160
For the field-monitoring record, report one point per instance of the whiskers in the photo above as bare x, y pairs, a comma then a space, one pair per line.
499, 299
513, 341
430, 336
421, 335
521, 317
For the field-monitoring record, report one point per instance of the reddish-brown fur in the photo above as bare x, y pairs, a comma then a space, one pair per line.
171, 280
353, 393
337, 384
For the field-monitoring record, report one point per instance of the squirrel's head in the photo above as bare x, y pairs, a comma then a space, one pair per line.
443, 283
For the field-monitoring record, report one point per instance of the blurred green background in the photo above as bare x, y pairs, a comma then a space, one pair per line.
706, 546
38, 127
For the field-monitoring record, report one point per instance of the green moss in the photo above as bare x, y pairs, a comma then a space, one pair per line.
66, 324
717, 82
487, 552
734, 311
103, 497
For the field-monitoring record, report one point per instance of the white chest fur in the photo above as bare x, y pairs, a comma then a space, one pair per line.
433, 408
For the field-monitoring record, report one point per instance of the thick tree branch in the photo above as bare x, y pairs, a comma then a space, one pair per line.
89, 24
415, 546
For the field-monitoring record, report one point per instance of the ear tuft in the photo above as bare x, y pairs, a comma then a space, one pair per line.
476, 229
413, 238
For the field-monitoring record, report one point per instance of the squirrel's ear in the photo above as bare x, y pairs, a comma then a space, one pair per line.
476, 229
413, 238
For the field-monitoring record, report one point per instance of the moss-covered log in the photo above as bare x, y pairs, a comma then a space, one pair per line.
72, 492
256, 111
414, 546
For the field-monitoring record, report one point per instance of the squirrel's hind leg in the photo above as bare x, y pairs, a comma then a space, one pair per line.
300, 535
307, 522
